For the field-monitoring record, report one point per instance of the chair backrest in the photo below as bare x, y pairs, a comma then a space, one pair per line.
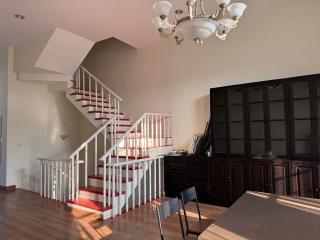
189, 195
165, 210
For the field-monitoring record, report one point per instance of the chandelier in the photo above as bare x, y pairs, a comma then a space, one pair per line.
197, 25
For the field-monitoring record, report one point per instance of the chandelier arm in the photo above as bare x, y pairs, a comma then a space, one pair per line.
202, 7
235, 24
219, 14
190, 5
168, 25
221, 36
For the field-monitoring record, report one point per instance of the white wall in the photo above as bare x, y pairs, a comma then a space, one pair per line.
3, 113
275, 39
36, 119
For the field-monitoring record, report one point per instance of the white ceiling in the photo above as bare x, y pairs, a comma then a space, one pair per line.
127, 20
93, 19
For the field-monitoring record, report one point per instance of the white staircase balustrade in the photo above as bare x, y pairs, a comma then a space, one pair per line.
150, 131
108, 127
128, 158
95, 93
55, 178
144, 185
59, 178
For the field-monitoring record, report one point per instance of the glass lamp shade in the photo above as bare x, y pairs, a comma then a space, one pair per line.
198, 28
226, 24
223, 2
162, 8
157, 22
236, 10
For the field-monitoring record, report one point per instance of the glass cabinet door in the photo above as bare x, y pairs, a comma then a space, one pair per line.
277, 121
219, 121
317, 120
256, 120
301, 105
236, 120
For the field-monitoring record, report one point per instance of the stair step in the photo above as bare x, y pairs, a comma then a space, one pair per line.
130, 168
106, 118
94, 105
85, 94
92, 100
100, 177
105, 112
98, 206
98, 190
132, 157
74, 91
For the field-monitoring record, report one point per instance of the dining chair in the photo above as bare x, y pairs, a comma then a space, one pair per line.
167, 209
195, 228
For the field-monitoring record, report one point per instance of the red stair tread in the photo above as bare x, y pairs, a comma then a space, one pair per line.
100, 177
90, 204
97, 190
104, 112
139, 148
124, 167
94, 105
126, 131
131, 157
93, 94
106, 118
93, 100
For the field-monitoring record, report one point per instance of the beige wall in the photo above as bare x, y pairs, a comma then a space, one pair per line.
36, 119
3, 113
275, 39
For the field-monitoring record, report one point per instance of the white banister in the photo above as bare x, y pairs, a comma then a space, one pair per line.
145, 170
101, 97
56, 179
127, 166
142, 134
101, 83
62, 183
109, 125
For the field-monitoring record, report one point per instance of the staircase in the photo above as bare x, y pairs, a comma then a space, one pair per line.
119, 167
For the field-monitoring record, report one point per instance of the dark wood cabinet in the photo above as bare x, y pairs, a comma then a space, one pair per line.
221, 182
279, 116
304, 179
234, 176
257, 176
249, 120
282, 116
279, 177
186, 171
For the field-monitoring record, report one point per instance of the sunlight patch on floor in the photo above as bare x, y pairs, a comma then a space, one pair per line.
88, 230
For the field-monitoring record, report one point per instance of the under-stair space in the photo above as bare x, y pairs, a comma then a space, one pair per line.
118, 168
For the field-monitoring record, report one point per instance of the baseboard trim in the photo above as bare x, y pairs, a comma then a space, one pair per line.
11, 188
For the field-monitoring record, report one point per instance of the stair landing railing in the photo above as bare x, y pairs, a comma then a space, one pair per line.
59, 178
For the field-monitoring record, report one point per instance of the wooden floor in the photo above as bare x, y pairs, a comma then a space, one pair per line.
24, 215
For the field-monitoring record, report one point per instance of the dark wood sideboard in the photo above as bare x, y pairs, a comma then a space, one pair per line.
181, 172
223, 180
249, 120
